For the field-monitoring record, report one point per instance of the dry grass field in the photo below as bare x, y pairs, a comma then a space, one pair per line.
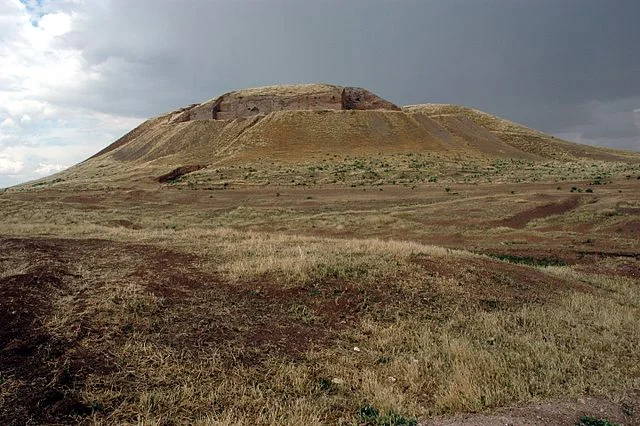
326, 304
385, 288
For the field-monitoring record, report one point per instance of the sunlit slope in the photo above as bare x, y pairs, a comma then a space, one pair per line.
456, 119
294, 135
300, 136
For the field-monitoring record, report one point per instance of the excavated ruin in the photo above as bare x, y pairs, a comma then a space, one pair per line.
264, 100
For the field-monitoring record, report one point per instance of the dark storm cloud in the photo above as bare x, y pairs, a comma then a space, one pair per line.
551, 64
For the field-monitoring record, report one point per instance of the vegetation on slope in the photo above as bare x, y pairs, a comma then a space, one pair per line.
438, 133
519, 136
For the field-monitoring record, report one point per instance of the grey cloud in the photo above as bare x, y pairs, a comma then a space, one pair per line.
547, 63
614, 124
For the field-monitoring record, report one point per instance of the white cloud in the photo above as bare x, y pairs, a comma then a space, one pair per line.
55, 24
10, 164
25, 119
46, 120
8, 123
14, 106
47, 169
52, 144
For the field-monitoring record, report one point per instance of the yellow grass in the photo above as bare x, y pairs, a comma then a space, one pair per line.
262, 309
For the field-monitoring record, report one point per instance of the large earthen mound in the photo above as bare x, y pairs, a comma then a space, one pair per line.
293, 124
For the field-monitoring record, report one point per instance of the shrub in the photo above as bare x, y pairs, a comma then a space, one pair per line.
593, 421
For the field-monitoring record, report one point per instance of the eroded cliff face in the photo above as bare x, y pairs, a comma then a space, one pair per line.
263, 100
361, 99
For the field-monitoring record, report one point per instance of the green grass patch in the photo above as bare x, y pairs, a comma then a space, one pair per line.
370, 416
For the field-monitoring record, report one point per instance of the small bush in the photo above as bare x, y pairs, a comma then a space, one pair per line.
593, 421
370, 416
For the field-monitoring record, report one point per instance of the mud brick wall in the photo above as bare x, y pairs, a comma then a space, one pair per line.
237, 105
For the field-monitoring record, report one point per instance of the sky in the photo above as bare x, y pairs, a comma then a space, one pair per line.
77, 74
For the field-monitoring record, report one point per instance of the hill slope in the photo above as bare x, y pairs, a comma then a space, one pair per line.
457, 118
302, 123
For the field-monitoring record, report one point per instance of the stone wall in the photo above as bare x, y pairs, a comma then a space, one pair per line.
204, 112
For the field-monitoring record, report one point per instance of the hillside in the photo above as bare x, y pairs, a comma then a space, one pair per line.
457, 119
305, 124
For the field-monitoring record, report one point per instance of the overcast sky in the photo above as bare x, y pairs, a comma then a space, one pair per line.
76, 74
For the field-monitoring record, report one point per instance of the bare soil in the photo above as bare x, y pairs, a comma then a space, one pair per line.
50, 370
521, 219
558, 413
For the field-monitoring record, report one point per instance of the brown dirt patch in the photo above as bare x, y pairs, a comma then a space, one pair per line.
252, 320
557, 413
631, 228
267, 319
624, 267
178, 172
521, 219
539, 256
491, 284
45, 370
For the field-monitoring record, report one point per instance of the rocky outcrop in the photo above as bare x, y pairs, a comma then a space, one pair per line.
264, 100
